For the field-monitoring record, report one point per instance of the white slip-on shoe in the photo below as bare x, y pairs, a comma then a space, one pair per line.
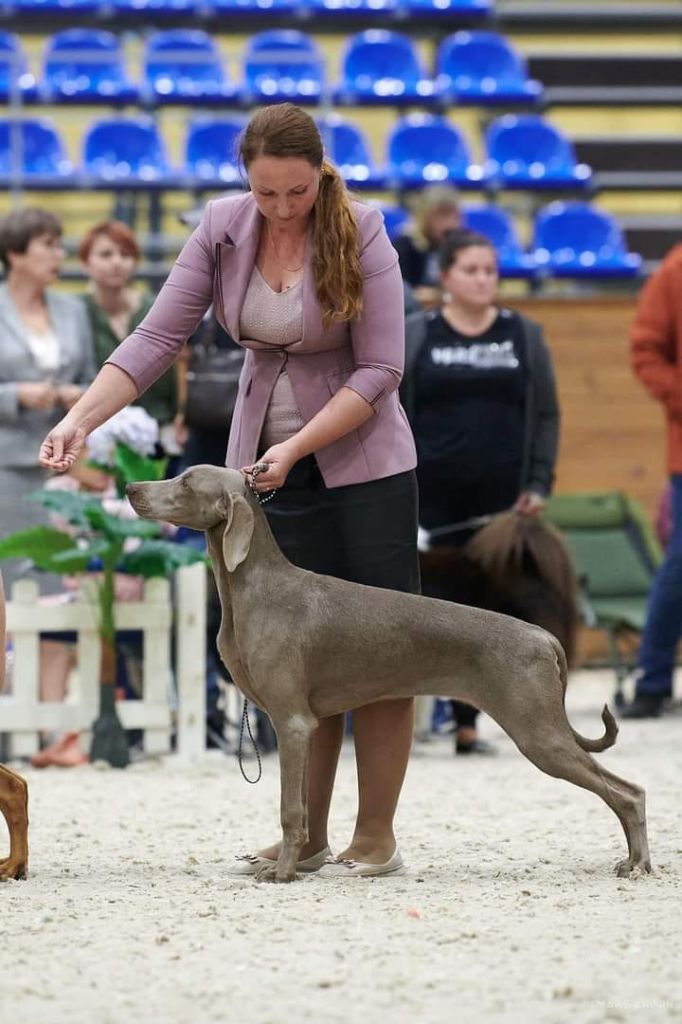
337, 868
249, 863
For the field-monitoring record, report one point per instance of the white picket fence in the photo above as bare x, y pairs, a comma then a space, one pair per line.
23, 714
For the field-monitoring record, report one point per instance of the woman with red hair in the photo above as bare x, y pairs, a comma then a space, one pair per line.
110, 254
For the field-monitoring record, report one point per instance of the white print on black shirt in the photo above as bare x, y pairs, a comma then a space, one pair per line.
480, 356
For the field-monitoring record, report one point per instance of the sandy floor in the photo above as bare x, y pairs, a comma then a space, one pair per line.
510, 912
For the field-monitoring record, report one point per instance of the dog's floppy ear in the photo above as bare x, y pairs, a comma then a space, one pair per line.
238, 531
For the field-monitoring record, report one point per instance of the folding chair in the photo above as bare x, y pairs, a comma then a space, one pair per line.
616, 555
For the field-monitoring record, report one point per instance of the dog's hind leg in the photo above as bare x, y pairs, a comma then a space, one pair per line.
564, 759
294, 738
14, 808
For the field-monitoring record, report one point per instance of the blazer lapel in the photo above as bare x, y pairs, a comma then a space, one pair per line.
63, 326
235, 258
312, 314
17, 331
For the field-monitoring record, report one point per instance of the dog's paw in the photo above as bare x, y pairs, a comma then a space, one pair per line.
13, 870
270, 873
633, 870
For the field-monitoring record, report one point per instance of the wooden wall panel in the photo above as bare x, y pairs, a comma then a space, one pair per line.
613, 434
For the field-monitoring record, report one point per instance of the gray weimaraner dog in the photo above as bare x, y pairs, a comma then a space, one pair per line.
304, 646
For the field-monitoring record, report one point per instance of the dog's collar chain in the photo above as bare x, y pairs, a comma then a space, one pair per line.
260, 467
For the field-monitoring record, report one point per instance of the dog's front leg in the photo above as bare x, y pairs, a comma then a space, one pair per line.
14, 808
294, 738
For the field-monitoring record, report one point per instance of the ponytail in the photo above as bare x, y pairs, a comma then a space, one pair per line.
336, 264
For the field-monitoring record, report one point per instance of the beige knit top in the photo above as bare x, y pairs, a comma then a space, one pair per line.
275, 318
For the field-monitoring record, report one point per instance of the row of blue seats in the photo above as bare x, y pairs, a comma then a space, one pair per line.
296, 8
570, 240
523, 151
186, 66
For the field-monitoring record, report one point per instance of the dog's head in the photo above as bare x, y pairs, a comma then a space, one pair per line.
201, 498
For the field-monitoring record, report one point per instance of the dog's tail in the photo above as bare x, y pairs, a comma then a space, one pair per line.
610, 725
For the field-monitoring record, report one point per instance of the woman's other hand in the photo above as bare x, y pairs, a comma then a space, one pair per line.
281, 457
68, 394
529, 503
35, 395
180, 430
61, 447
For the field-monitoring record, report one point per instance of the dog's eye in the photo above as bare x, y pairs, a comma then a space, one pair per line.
185, 482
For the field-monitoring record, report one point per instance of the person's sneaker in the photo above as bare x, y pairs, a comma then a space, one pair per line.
643, 706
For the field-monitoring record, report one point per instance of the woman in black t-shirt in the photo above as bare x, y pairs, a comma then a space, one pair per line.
480, 395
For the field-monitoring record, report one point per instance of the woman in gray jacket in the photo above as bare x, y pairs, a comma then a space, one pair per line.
46, 359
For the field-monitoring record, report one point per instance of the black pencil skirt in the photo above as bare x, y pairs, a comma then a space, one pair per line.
364, 533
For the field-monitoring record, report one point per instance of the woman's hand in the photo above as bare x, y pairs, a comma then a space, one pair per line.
180, 429
62, 446
36, 395
281, 457
529, 503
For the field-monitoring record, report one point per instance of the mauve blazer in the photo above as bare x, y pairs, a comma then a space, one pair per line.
366, 354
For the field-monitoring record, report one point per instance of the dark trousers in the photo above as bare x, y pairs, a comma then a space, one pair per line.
364, 533
663, 625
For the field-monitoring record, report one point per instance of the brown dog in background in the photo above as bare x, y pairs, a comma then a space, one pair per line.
516, 565
13, 792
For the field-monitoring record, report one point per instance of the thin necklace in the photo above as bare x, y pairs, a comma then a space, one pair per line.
289, 270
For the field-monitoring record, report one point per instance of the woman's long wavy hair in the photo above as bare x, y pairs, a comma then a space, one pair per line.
284, 130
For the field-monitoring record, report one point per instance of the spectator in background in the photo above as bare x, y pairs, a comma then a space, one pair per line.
110, 255
480, 395
435, 213
46, 359
656, 347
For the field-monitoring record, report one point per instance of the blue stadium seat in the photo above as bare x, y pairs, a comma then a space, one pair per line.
453, 8
161, 7
65, 7
121, 151
283, 64
211, 150
382, 67
186, 66
86, 65
527, 152
42, 156
498, 226
255, 7
425, 150
347, 146
483, 67
576, 240
341, 7
14, 74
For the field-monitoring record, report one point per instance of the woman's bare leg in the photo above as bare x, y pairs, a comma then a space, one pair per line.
56, 661
383, 740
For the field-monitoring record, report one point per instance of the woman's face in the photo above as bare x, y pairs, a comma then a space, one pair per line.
473, 277
108, 264
285, 188
41, 262
441, 222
